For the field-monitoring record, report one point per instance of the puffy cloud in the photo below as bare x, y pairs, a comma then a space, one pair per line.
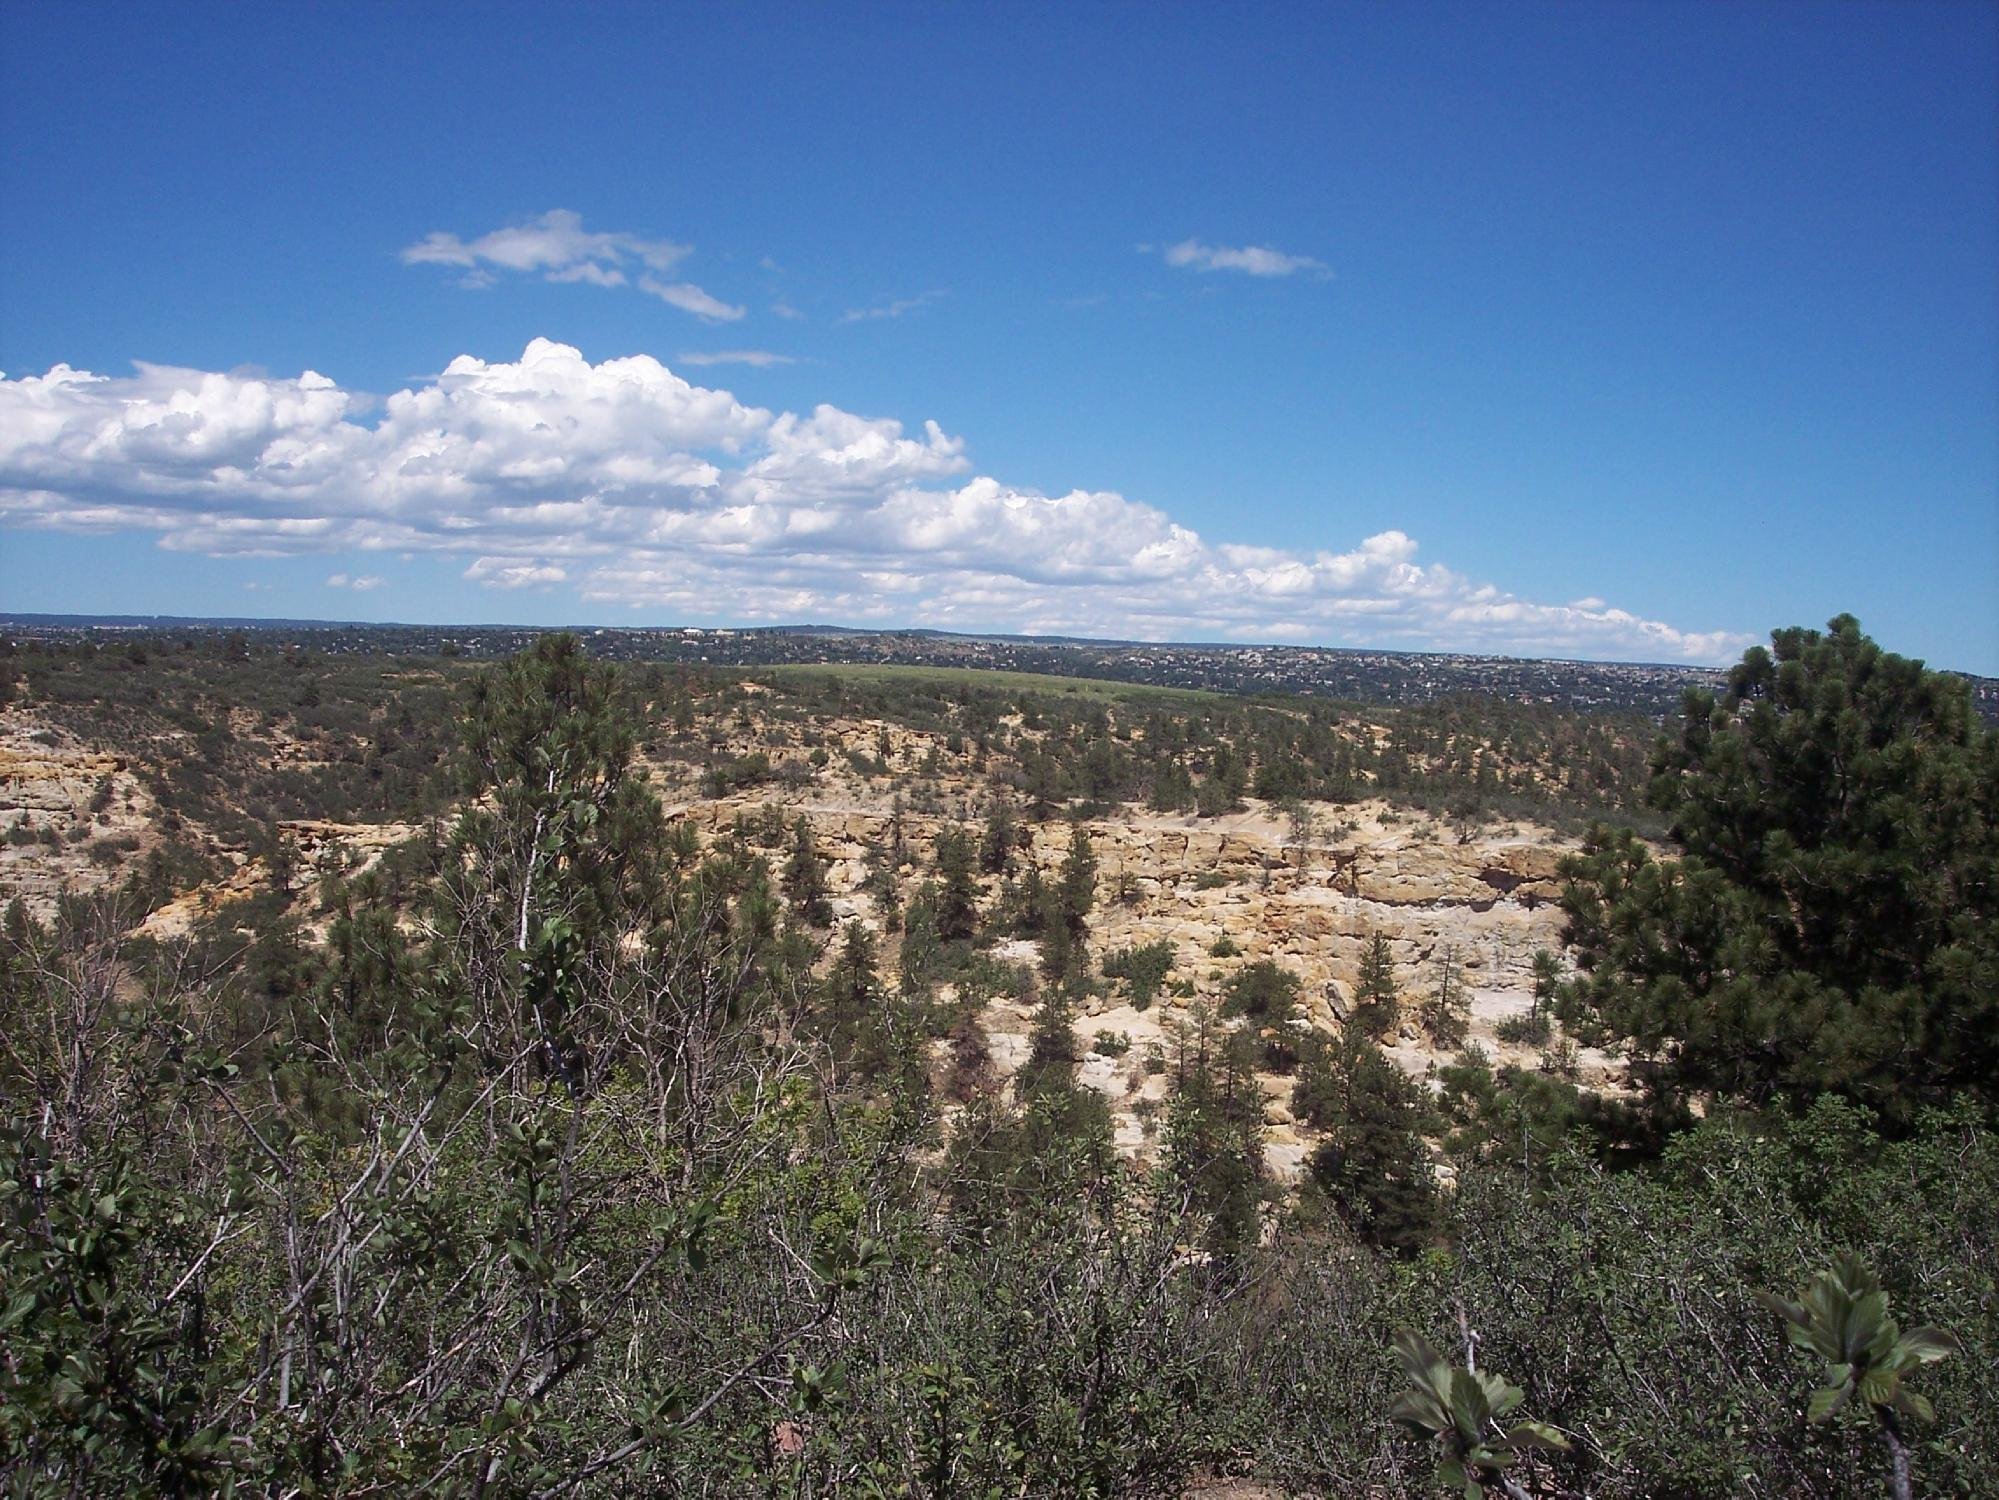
640, 490
360, 585
558, 248
834, 454
1253, 260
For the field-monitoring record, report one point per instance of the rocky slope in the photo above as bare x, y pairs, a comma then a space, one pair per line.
74, 818
1310, 908
1486, 895
71, 817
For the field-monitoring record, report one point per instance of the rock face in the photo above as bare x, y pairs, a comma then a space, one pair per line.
71, 818
348, 849
176, 918
318, 848
1485, 899
1313, 908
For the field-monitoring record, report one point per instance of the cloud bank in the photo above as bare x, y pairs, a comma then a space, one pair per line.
636, 488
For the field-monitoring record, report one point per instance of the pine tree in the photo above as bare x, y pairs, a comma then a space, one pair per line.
1832, 920
853, 985
1059, 951
883, 882
1052, 1054
805, 878
1065, 1142
1265, 992
921, 942
1228, 779
1065, 906
958, 886
1031, 901
1172, 788
874, 1033
1077, 891
1211, 798
996, 846
558, 853
1373, 1166
1447, 1011
1375, 1006
1547, 974
1143, 968
1214, 1132
1046, 785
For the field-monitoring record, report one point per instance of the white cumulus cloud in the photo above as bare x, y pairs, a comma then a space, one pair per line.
638, 489
361, 584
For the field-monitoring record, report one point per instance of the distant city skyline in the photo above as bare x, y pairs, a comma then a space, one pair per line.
1617, 333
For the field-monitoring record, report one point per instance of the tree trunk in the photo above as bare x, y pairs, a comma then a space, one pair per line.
1898, 1452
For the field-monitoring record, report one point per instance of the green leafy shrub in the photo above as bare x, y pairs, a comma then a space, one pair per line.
1143, 968
1524, 1030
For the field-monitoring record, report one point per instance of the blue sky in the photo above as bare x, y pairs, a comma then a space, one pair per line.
1610, 331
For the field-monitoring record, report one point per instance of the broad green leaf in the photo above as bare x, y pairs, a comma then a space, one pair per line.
1535, 1435
1914, 1405
1500, 1397
1879, 1385
1415, 1353
1419, 1409
1827, 1402
1783, 1307
1469, 1408
1927, 1344
1867, 1323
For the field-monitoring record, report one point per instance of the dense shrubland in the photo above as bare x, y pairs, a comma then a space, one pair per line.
583, 1157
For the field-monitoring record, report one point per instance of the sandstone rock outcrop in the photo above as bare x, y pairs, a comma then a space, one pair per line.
71, 818
1484, 897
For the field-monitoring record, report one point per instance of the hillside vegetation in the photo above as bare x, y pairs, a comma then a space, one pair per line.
566, 1077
